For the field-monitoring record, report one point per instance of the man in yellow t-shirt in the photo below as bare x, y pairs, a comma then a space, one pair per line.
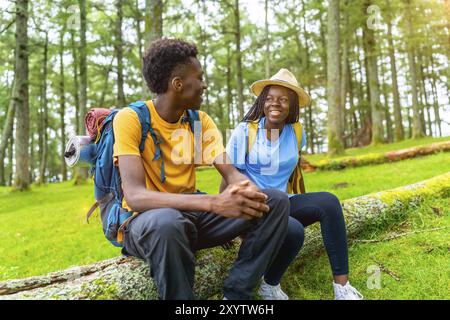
172, 222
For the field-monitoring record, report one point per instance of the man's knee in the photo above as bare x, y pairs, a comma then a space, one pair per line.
165, 222
277, 197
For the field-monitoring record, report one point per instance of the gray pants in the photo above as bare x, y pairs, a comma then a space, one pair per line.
167, 239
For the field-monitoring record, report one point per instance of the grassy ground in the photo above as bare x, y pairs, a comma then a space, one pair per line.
353, 182
45, 230
409, 143
419, 261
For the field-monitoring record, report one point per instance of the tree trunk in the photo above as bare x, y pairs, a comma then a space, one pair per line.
417, 121
311, 128
399, 130
437, 118
6, 135
105, 83
62, 103
335, 144
44, 117
75, 82
375, 105
423, 89
345, 72
118, 44
137, 20
82, 172
153, 21
229, 89
266, 24
363, 136
10, 160
377, 158
20, 96
387, 112
204, 56
240, 83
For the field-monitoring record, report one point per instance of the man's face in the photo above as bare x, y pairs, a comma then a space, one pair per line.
193, 85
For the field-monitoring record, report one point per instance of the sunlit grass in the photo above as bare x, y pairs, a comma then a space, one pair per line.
409, 143
420, 261
45, 229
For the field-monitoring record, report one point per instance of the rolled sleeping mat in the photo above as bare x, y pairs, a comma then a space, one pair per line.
80, 150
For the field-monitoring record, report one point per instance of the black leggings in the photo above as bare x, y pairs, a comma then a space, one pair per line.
307, 209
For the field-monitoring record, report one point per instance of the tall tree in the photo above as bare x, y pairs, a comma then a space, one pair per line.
20, 97
240, 81
373, 84
417, 121
399, 130
266, 24
6, 135
43, 143
153, 21
345, 76
82, 173
62, 103
335, 136
118, 46
137, 20
75, 93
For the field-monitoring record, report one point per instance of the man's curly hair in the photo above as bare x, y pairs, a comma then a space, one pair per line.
161, 58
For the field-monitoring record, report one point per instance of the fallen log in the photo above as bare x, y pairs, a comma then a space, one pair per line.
376, 158
128, 278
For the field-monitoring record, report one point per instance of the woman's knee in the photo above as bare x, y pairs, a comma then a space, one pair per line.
331, 206
295, 235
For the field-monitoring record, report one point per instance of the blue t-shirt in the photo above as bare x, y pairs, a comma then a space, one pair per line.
269, 163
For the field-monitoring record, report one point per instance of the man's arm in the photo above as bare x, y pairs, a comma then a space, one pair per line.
139, 198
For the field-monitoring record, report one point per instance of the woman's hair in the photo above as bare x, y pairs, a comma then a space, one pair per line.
256, 112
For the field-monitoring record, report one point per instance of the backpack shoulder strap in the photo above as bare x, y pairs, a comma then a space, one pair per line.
140, 107
251, 137
298, 133
193, 117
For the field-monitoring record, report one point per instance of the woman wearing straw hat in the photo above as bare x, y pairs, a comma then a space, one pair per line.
269, 163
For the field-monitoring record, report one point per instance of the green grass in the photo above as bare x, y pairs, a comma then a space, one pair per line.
420, 261
353, 182
405, 144
44, 230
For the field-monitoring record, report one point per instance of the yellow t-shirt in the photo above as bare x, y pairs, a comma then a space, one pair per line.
177, 148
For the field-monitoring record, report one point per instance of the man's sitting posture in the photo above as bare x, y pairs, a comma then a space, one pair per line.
173, 222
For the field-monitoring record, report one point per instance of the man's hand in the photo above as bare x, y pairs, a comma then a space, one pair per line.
241, 200
250, 190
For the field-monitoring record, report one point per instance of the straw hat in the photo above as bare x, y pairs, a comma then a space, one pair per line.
286, 79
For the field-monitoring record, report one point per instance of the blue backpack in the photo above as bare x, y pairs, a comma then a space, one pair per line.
107, 183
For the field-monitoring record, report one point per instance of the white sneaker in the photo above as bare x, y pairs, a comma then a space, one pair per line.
268, 292
346, 292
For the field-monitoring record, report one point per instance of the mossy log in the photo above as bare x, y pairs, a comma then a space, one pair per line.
376, 158
128, 278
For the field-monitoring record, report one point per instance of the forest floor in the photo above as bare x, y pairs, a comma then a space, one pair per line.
381, 148
45, 230
412, 266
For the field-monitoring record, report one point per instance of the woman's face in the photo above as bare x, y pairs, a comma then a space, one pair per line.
276, 106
